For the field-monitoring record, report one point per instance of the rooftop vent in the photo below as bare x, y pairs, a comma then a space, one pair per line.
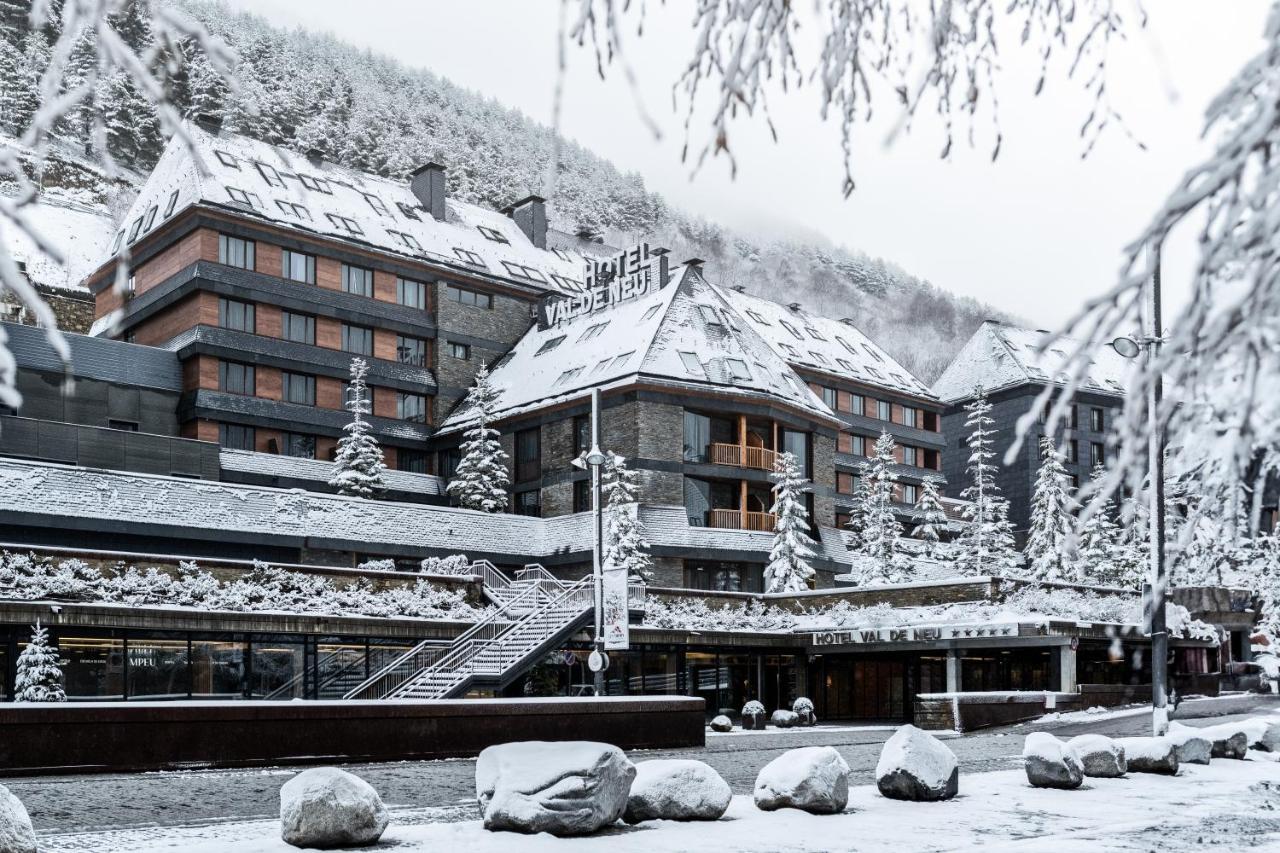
693, 262
739, 288
794, 306
315, 156
530, 214
210, 122
591, 235
848, 321
427, 184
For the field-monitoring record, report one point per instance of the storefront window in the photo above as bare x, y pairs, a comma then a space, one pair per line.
738, 683
703, 677
217, 669
93, 668
661, 674
276, 670
158, 667
340, 666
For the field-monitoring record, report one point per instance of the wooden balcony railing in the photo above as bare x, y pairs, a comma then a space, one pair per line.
743, 457
732, 519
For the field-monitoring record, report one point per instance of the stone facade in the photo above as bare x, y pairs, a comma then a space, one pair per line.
73, 309
489, 332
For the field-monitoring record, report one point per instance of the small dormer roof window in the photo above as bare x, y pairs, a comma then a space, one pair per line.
226, 159
150, 220
270, 175
238, 195
691, 363
648, 315
377, 205
320, 185
492, 234
409, 241
522, 271
409, 211
795, 333
814, 333
738, 369
872, 353
593, 332
709, 315
171, 204
467, 256
550, 344
755, 315
345, 223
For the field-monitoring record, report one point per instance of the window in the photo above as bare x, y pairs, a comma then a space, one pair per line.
235, 378
343, 222
317, 184
468, 297
910, 494
1074, 415
468, 257
289, 208
872, 353
457, 350
411, 407
235, 315
1073, 451
298, 388
528, 455
150, 219
797, 444
566, 377
790, 350
407, 240
709, 315
299, 445
593, 331
411, 351
853, 444
235, 252
691, 363
242, 197
408, 211
413, 461
737, 368
528, 503
570, 284
491, 234
270, 175
621, 361
377, 205
581, 434
795, 333
525, 272
134, 229
601, 365
828, 395
236, 437
909, 416
115, 244
581, 495
299, 328
1097, 454
884, 411
1074, 479
298, 266
819, 357
123, 426
447, 462
755, 315
846, 345
227, 160
357, 339
910, 456
411, 294
1097, 420
549, 345
649, 314
357, 280
814, 333
846, 483
132, 285
846, 365
871, 371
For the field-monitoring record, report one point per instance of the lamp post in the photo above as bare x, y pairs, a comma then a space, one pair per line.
1130, 348
595, 459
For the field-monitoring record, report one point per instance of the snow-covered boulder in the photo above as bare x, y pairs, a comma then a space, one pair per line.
1230, 740
1190, 744
1050, 763
563, 787
676, 789
915, 765
813, 778
1264, 734
16, 832
1100, 756
753, 716
784, 719
1150, 754
803, 708
328, 807
721, 723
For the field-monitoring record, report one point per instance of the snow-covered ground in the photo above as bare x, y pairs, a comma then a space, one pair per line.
1227, 805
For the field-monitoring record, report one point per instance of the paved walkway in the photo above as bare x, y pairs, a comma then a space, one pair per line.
434, 791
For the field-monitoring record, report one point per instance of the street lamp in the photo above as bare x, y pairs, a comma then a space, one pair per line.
1130, 348
594, 459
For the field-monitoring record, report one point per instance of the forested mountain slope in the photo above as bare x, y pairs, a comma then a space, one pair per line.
307, 91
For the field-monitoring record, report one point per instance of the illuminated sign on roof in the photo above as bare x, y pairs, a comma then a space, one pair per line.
628, 275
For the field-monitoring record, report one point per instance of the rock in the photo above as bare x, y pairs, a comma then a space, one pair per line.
676, 789
562, 787
16, 832
753, 716
1264, 735
814, 779
915, 765
1100, 756
327, 807
721, 723
1229, 740
1050, 763
784, 719
1150, 754
1191, 746
803, 709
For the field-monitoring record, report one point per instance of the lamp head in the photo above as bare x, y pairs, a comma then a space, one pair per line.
1126, 347
595, 456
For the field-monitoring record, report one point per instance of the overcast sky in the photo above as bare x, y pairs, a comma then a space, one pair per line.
1034, 233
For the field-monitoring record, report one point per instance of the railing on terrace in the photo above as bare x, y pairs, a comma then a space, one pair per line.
742, 456
732, 519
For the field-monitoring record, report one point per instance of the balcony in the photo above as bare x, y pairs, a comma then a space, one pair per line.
732, 519
742, 456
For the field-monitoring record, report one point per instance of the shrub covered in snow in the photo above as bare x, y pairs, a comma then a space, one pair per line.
454, 564
696, 614
377, 566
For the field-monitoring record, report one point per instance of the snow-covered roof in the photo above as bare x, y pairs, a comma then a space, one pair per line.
834, 347
318, 470
1002, 356
685, 334
82, 233
103, 359
288, 189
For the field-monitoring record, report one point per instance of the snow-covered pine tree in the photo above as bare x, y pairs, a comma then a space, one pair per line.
788, 569
881, 530
929, 517
1098, 541
39, 675
625, 545
986, 544
1050, 527
481, 479
857, 513
358, 465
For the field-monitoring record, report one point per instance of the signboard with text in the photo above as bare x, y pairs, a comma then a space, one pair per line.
923, 634
628, 275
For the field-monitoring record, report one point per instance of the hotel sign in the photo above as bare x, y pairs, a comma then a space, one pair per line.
628, 275
859, 636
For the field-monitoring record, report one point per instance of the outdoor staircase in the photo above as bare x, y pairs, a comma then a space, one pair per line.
534, 613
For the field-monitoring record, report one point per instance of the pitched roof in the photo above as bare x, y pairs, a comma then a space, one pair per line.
81, 233
1002, 356
684, 334
96, 358
831, 346
291, 190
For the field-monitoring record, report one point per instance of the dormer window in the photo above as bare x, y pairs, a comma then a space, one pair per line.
408, 211
227, 160
522, 271
318, 184
570, 284
115, 244
562, 255
549, 345
345, 223
593, 332
848, 346
377, 205
289, 208
648, 315
134, 229
846, 364
251, 199
468, 257
814, 333
150, 220
408, 240
270, 175
709, 315
491, 234
738, 369
568, 376
691, 363
818, 357
171, 204
795, 333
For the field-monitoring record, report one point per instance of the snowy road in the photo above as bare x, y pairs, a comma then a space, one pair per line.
117, 812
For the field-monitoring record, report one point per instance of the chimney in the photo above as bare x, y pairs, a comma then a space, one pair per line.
530, 213
427, 184
315, 156
794, 306
739, 288
694, 262
209, 122
589, 234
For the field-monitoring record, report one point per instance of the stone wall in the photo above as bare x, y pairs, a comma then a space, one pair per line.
73, 309
490, 332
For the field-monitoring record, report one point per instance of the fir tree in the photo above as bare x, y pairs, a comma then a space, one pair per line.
881, 529
788, 569
358, 465
481, 480
625, 545
929, 517
1050, 527
857, 514
986, 544
1099, 546
39, 676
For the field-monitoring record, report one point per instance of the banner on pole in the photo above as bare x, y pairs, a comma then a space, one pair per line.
616, 627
